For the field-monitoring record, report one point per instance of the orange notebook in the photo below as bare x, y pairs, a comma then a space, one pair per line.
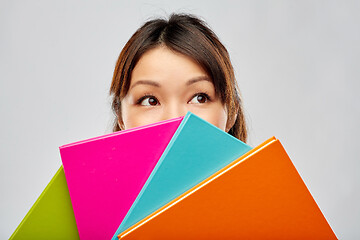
258, 196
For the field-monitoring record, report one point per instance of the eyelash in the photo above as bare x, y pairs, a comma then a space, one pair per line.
140, 100
207, 97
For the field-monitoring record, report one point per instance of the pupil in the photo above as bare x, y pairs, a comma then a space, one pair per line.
152, 101
201, 99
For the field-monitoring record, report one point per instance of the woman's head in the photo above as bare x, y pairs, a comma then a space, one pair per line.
171, 66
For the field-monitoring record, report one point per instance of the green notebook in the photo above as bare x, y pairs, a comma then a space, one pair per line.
52, 215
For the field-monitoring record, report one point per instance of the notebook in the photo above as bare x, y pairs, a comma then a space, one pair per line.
51, 215
105, 174
197, 150
258, 196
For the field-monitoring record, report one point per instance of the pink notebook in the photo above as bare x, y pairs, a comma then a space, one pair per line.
105, 174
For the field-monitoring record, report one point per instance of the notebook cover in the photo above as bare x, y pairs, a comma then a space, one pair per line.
258, 196
51, 216
105, 174
197, 150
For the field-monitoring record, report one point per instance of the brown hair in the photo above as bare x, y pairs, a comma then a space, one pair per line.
189, 36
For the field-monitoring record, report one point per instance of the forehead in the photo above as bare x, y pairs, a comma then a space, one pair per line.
161, 63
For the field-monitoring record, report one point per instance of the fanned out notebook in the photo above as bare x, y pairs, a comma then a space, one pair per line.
197, 150
258, 196
105, 174
51, 216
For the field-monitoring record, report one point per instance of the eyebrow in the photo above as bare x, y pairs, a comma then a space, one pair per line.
156, 84
198, 79
146, 82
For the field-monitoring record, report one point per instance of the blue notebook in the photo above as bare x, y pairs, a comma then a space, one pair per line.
197, 150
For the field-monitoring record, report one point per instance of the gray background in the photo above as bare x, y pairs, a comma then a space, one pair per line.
297, 64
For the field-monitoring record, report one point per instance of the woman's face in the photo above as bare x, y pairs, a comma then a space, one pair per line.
164, 85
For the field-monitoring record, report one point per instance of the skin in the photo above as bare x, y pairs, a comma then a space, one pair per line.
165, 84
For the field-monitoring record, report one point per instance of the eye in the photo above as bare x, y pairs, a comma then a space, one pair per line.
200, 98
148, 101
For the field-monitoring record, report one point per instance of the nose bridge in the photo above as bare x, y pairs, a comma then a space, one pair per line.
174, 109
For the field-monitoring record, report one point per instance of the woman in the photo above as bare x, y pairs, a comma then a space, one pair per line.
169, 67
